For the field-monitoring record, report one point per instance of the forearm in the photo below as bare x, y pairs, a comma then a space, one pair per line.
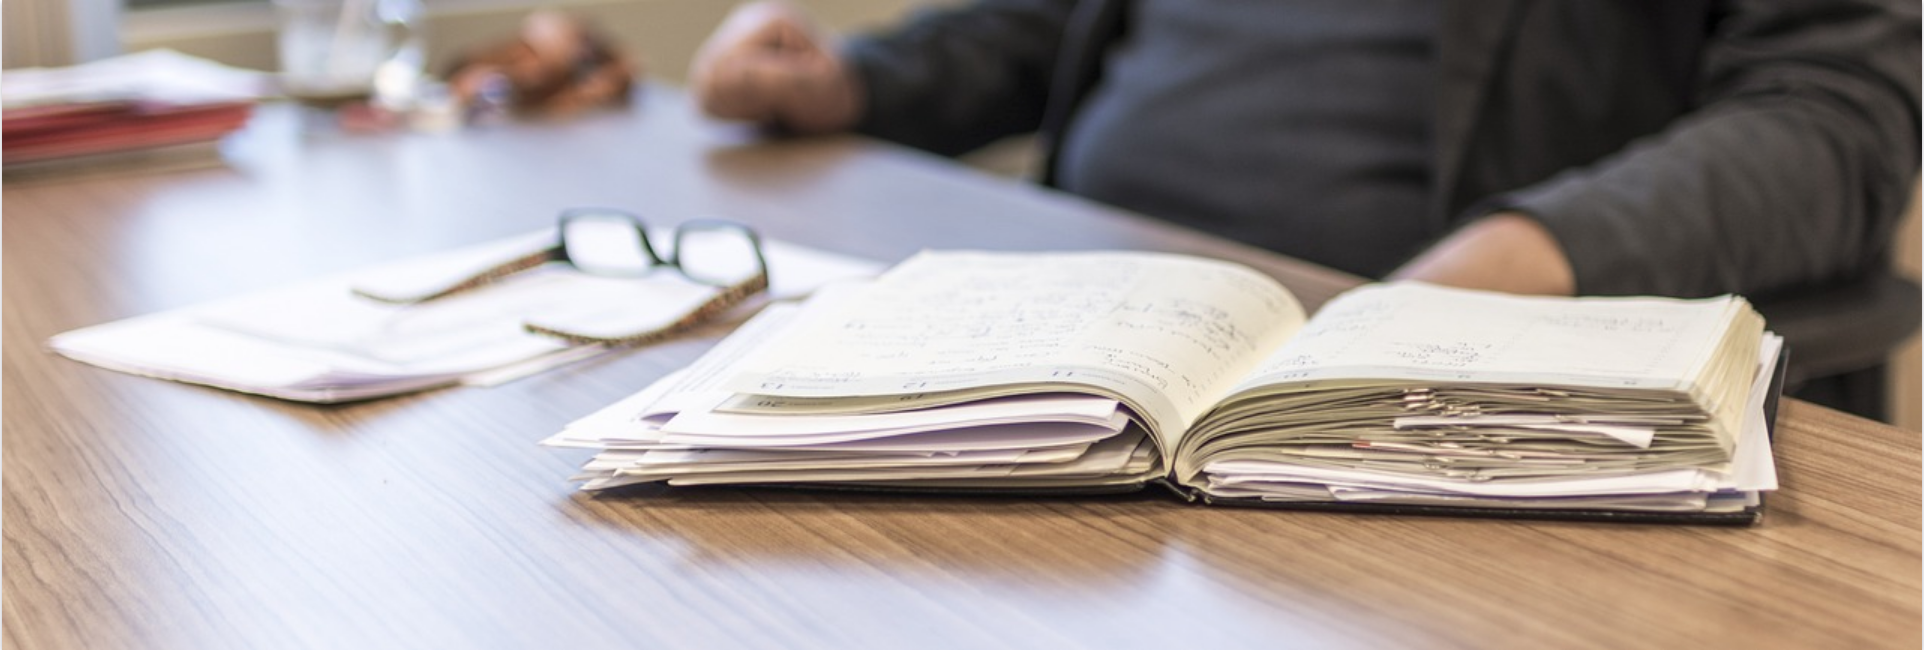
1790, 172
954, 79
1506, 251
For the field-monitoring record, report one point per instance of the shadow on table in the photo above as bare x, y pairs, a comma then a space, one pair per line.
1071, 542
1344, 565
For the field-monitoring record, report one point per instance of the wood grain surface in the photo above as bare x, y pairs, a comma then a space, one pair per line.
148, 514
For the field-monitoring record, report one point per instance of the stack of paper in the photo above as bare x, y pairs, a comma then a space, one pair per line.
1553, 449
319, 342
1400, 394
1448, 396
689, 429
156, 108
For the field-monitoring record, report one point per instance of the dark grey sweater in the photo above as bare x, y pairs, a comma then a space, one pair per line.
1302, 127
1675, 147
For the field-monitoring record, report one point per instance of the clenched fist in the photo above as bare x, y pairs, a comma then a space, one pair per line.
768, 64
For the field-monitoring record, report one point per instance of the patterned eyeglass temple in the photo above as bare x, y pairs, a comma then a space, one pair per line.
721, 302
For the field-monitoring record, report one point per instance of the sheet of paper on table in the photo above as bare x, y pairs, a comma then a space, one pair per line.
318, 342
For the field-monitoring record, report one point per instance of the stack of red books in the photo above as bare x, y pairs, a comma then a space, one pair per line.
155, 109
99, 131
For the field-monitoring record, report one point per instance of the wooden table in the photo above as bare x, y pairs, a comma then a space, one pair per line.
147, 514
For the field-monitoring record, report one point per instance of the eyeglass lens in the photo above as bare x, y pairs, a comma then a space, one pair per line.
720, 254
610, 243
616, 244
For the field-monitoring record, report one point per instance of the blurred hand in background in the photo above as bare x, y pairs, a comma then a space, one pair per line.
556, 65
768, 63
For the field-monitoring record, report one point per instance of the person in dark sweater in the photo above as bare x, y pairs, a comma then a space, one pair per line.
1674, 147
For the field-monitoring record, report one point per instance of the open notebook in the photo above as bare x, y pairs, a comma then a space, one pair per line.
319, 342
1059, 372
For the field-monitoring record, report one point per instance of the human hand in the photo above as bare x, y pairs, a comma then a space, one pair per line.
767, 64
556, 65
1505, 251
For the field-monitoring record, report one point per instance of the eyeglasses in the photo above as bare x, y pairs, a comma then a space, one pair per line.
613, 243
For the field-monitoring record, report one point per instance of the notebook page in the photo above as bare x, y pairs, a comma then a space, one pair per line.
1418, 332
1166, 333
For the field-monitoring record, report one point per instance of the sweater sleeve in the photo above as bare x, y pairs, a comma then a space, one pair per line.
1792, 170
954, 79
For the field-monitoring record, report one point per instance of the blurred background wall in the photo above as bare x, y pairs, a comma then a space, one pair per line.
664, 33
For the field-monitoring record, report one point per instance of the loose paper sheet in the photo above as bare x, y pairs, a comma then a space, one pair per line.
316, 341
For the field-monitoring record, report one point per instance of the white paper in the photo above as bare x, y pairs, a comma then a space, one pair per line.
1635, 436
1109, 456
1047, 407
1167, 332
714, 461
1422, 332
1755, 468
318, 342
1752, 470
152, 75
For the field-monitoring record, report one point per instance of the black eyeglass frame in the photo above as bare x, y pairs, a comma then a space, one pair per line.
559, 253
731, 294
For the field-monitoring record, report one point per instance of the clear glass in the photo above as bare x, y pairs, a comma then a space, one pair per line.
607, 243
717, 253
337, 50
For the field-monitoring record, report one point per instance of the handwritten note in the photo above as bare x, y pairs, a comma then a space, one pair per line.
1426, 333
1167, 334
